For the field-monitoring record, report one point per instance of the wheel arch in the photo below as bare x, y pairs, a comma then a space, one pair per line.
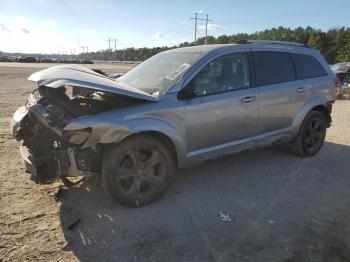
324, 109
162, 137
173, 136
316, 103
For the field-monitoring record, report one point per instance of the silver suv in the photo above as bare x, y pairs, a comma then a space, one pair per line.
176, 109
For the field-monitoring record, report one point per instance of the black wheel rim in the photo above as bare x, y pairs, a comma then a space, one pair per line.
140, 172
314, 135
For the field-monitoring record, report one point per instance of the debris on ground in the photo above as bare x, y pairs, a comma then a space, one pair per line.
225, 217
57, 193
65, 247
69, 183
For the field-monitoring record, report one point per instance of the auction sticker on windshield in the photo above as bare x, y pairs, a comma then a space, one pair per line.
173, 75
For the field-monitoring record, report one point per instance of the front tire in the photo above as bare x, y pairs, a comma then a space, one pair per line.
137, 170
311, 136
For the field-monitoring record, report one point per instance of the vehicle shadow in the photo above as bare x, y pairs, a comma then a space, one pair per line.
283, 208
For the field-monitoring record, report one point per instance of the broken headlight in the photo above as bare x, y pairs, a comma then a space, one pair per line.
33, 98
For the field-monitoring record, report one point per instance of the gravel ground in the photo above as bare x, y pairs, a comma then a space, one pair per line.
283, 208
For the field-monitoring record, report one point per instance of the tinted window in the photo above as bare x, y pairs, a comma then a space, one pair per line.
223, 74
273, 67
307, 66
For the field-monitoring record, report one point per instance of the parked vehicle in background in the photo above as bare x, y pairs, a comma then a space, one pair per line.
342, 71
5, 59
27, 59
176, 109
85, 61
45, 60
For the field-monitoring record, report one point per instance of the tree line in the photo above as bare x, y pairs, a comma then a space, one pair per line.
333, 44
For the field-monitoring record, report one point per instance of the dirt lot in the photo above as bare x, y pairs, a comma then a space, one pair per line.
283, 208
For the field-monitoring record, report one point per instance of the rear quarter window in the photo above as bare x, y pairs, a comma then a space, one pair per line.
307, 66
273, 68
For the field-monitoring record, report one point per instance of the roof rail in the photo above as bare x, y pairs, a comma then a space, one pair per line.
274, 42
270, 42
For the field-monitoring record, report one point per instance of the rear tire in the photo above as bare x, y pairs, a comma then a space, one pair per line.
137, 170
311, 136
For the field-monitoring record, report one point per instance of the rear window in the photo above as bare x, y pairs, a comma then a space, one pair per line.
307, 66
273, 68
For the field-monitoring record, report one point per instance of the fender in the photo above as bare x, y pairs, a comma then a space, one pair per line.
116, 132
306, 108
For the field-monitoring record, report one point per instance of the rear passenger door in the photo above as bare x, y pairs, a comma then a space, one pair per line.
281, 95
311, 75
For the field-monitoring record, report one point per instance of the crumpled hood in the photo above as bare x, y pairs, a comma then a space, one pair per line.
76, 75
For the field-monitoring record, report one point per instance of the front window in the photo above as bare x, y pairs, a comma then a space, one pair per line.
161, 71
230, 72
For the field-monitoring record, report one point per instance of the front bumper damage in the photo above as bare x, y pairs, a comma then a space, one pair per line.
65, 163
46, 153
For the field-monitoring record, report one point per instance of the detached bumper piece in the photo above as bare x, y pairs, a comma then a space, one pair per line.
47, 169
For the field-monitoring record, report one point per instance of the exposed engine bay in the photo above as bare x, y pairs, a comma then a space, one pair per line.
53, 145
49, 151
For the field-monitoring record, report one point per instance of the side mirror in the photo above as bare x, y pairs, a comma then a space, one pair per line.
186, 93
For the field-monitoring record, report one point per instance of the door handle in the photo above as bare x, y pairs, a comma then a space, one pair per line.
300, 90
248, 99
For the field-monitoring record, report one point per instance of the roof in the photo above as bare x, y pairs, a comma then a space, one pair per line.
208, 48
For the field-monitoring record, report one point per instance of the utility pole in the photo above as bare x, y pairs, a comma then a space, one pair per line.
195, 29
109, 43
72, 52
87, 50
115, 48
109, 48
206, 30
196, 19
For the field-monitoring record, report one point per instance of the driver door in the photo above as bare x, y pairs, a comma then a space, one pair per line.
224, 106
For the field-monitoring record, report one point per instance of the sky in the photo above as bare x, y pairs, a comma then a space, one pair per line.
64, 26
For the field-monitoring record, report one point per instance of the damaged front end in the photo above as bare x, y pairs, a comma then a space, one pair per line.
50, 152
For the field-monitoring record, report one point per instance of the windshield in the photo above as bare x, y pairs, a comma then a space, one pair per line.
159, 72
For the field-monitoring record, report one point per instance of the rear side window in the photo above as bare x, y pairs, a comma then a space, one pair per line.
307, 66
273, 68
